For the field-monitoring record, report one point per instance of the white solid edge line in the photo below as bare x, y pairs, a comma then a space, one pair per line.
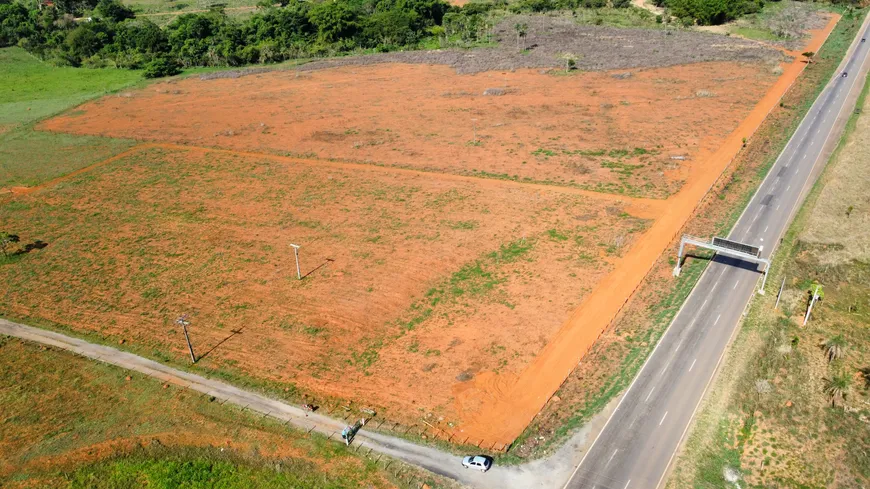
638, 376
709, 382
686, 301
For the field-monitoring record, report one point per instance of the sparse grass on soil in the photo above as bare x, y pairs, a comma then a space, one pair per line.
606, 137
620, 352
405, 268
790, 434
451, 277
72, 422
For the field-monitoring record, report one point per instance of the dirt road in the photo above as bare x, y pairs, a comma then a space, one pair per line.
509, 406
546, 473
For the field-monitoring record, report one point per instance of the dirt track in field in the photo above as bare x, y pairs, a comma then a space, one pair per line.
401, 267
503, 411
492, 406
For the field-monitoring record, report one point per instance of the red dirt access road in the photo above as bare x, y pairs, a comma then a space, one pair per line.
498, 411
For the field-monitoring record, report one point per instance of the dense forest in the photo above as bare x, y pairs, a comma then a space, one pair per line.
106, 32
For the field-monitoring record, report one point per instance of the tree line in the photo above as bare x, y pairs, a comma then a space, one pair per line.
107, 33
112, 35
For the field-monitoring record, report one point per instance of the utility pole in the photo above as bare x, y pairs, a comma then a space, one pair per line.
812, 301
296, 253
775, 306
182, 320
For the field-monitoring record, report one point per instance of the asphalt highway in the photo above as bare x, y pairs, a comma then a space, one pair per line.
637, 446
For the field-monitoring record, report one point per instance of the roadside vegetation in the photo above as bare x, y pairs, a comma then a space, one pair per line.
791, 407
75, 423
618, 355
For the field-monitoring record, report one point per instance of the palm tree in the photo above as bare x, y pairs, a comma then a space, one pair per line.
837, 388
835, 348
522, 30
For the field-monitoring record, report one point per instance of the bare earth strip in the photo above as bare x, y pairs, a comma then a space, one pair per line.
497, 407
508, 408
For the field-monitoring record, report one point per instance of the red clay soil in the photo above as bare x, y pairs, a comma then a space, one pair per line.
511, 348
162, 230
544, 127
498, 408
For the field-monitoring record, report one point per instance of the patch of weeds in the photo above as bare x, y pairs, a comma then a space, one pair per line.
465, 225
555, 235
365, 359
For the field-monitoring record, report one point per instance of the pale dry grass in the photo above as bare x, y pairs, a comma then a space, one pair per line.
842, 214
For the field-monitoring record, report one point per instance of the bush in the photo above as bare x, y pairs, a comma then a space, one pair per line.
162, 66
712, 12
114, 10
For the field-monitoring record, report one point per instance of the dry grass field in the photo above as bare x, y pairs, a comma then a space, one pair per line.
792, 408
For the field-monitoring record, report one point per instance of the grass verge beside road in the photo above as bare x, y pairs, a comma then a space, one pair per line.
790, 406
618, 356
72, 422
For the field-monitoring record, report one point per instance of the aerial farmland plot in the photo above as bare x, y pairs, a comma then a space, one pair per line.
459, 221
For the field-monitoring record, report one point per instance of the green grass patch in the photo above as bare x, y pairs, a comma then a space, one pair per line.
31, 89
207, 468
756, 33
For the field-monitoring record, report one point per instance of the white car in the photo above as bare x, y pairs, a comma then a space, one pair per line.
479, 462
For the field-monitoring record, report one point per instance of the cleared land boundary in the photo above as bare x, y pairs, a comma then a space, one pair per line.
507, 406
508, 409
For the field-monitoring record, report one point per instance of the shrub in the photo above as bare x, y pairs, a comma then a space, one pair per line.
162, 66
114, 10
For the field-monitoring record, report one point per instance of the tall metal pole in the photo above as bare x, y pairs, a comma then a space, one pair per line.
778, 295
296, 253
679, 266
764, 280
812, 301
184, 322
